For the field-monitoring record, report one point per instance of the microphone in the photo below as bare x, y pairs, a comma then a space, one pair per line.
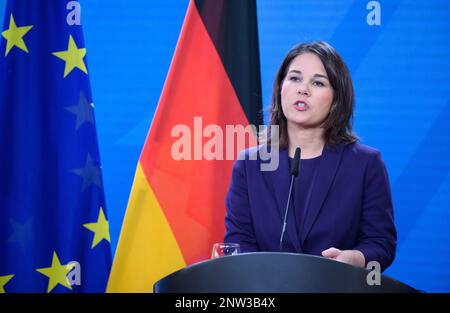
294, 173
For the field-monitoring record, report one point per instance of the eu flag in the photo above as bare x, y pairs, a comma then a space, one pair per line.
54, 231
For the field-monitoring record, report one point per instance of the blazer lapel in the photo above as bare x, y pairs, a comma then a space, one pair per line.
326, 172
280, 180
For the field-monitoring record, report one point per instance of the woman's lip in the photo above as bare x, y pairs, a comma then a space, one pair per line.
301, 108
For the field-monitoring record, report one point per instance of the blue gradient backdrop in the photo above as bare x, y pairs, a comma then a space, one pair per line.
401, 72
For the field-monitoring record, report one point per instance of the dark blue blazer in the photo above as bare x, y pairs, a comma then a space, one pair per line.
350, 205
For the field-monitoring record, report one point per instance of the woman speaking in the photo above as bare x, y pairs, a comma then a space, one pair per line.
340, 203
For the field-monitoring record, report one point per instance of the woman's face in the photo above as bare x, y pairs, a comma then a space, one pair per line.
306, 93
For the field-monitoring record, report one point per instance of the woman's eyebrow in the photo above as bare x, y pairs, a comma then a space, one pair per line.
315, 75
321, 76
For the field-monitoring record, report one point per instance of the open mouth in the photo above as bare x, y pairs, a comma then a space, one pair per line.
301, 106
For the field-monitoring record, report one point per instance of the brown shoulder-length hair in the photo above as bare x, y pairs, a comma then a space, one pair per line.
338, 124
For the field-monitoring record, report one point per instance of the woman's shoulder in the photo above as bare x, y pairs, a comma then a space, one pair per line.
357, 153
263, 157
360, 150
262, 151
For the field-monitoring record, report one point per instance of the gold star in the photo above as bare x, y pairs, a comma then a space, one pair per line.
73, 57
14, 35
100, 229
56, 273
3, 281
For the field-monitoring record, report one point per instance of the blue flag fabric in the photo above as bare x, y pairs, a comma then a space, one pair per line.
54, 232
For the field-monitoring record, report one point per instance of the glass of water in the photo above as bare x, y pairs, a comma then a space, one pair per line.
224, 249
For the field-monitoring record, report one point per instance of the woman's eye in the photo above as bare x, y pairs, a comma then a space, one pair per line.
319, 84
294, 78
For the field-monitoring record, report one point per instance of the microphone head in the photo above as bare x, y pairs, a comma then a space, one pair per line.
294, 169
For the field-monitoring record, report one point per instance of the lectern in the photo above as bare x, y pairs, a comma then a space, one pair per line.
266, 272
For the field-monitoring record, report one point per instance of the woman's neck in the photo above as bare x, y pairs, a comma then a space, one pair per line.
310, 140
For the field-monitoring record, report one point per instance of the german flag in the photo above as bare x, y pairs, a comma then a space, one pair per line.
176, 208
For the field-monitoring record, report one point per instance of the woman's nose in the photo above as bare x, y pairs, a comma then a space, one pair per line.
303, 90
